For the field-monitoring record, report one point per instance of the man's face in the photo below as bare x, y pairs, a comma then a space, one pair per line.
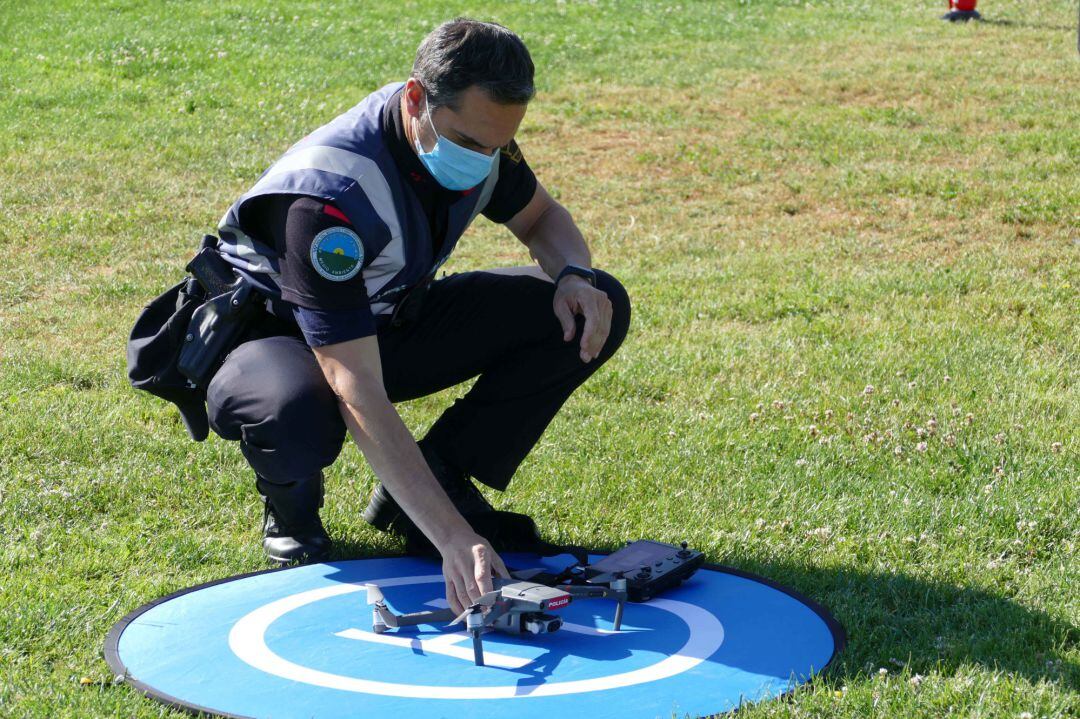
478, 123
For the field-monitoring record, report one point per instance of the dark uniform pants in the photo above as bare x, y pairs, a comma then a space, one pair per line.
270, 393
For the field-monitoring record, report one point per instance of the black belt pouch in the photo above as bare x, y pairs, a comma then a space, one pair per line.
154, 345
181, 338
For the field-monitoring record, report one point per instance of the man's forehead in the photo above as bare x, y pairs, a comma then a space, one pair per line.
480, 119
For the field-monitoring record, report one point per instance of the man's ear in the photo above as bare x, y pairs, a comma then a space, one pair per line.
414, 93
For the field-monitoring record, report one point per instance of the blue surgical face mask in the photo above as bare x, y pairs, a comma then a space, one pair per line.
453, 166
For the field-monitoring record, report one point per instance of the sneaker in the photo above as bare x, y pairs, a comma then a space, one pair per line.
292, 529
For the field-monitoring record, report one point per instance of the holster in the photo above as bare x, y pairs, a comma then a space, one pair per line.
215, 329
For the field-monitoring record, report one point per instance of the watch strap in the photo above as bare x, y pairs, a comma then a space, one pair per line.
584, 272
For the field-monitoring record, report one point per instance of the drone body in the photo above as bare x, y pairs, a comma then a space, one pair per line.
518, 605
515, 606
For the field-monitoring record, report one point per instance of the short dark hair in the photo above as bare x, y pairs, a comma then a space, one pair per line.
461, 53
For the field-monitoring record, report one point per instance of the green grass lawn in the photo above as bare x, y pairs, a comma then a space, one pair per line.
851, 233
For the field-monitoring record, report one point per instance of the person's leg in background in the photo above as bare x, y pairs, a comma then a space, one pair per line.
271, 396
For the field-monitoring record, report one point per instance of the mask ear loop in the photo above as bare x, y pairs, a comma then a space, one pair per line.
427, 111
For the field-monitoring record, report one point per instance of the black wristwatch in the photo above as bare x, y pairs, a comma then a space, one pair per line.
588, 274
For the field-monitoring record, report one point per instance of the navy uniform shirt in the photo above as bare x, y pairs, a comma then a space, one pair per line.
329, 312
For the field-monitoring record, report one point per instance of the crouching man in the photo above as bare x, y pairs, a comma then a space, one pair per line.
346, 232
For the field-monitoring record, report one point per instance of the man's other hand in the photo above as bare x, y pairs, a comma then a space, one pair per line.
575, 296
469, 563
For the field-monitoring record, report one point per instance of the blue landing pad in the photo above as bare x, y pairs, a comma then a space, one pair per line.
297, 643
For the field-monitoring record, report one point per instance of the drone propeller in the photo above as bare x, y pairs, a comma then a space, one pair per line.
485, 601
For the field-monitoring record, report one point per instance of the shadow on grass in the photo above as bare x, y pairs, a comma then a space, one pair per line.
894, 620
1027, 25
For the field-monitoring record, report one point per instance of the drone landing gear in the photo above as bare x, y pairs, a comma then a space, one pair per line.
474, 623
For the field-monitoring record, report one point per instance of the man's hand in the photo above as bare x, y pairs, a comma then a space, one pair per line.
469, 563
575, 296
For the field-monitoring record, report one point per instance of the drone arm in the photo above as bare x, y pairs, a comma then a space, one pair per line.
437, 616
386, 618
599, 591
578, 591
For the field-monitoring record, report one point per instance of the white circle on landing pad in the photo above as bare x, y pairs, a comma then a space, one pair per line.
296, 643
248, 641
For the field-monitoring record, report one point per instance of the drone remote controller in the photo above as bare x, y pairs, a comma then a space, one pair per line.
649, 567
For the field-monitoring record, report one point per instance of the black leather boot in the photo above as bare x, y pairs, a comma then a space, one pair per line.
292, 530
384, 513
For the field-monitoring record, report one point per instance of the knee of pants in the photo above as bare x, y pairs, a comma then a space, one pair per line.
272, 397
297, 438
620, 311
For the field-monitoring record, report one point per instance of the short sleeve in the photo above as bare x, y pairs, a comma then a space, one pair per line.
330, 327
320, 258
515, 187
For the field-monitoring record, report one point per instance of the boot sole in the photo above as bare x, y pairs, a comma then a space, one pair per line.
305, 558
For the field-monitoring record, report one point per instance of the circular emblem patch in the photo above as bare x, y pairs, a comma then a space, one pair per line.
337, 254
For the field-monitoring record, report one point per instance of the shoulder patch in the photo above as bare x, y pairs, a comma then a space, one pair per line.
337, 254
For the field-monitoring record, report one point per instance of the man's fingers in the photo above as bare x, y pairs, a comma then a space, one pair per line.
482, 570
466, 602
463, 599
498, 568
597, 328
566, 319
452, 598
603, 326
588, 351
